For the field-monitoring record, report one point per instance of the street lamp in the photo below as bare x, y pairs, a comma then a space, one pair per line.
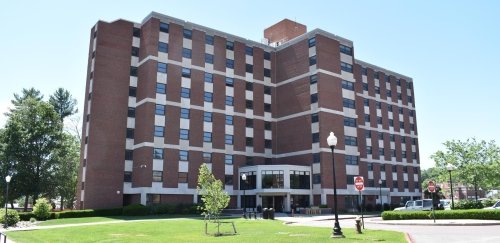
337, 231
244, 178
7, 179
380, 195
450, 168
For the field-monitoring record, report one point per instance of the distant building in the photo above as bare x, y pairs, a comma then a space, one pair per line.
165, 96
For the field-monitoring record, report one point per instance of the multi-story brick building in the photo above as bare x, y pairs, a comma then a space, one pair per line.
165, 96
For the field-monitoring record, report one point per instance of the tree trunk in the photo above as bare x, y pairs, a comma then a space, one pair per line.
26, 203
62, 203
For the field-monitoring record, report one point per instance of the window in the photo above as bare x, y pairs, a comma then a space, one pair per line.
153, 199
405, 169
368, 134
184, 134
183, 177
267, 107
382, 168
267, 90
267, 125
394, 168
209, 78
162, 47
346, 67
389, 108
392, 137
376, 75
132, 91
228, 179
164, 27
162, 67
350, 122
369, 166
393, 153
133, 71
378, 105
410, 99
188, 34
395, 185
347, 85
157, 176
400, 109
159, 131
207, 116
184, 113
209, 58
248, 123
367, 118
300, 179
207, 157
365, 86
377, 90
161, 88
228, 139
415, 170
249, 68
348, 103
209, 39
369, 150
185, 92
379, 120
160, 110
183, 155
135, 51
129, 154
313, 79
388, 93
316, 158
350, 141
364, 71
414, 141
403, 154
316, 178
186, 52
208, 97
249, 104
136, 32
405, 184
267, 55
230, 63
315, 137
380, 136
207, 137
268, 143
391, 122
371, 183
228, 159
131, 112
414, 155
346, 50
273, 179
399, 96
312, 60
229, 120
229, 100
312, 42
381, 152
230, 45
248, 86
267, 72
350, 179
314, 98
249, 142
314, 117
127, 176
229, 82
351, 159
402, 125
186, 72
398, 82
249, 50
130, 133
366, 102
410, 113
157, 153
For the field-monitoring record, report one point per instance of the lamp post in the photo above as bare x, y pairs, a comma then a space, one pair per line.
337, 231
450, 168
380, 195
7, 179
244, 179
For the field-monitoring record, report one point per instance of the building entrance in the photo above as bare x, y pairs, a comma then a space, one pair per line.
276, 202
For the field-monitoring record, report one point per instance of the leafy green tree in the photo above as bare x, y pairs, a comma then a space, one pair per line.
64, 103
477, 162
25, 95
67, 158
212, 194
42, 209
33, 131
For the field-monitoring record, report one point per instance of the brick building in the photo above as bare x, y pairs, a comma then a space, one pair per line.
166, 95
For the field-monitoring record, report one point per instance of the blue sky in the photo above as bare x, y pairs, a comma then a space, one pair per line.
449, 48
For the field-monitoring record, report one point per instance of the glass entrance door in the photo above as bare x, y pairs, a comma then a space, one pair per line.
276, 202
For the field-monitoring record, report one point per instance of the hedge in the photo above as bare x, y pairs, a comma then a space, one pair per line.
443, 214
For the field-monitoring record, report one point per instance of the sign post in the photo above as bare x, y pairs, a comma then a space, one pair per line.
431, 187
359, 184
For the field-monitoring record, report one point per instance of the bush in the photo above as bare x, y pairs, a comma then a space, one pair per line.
443, 214
42, 209
136, 210
489, 202
32, 220
26, 216
323, 206
468, 204
12, 217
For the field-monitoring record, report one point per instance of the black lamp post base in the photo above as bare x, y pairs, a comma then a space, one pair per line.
337, 232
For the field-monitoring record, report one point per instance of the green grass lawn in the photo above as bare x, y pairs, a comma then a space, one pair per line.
105, 219
193, 230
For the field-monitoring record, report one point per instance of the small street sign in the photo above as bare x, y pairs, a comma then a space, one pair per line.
359, 183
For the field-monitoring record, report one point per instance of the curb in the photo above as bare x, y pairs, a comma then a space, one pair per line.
437, 224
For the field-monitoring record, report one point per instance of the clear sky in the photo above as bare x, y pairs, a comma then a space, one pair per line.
451, 48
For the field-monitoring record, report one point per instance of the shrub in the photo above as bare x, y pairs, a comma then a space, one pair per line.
443, 214
26, 216
468, 204
42, 209
32, 220
136, 210
12, 217
489, 202
323, 206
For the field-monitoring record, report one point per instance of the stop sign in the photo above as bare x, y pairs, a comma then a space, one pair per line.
431, 187
359, 183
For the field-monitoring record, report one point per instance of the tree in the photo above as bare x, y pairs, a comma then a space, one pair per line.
212, 194
67, 158
26, 94
33, 131
477, 162
64, 103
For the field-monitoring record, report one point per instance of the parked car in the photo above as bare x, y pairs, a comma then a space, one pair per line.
445, 204
495, 206
417, 205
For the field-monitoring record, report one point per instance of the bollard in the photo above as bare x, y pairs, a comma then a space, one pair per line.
358, 225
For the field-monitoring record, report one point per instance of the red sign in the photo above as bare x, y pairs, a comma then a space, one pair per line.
359, 183
431, 187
